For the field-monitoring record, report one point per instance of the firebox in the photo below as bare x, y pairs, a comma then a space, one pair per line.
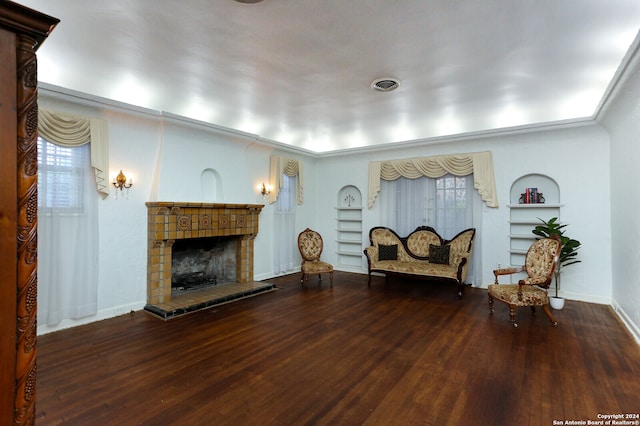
201, 262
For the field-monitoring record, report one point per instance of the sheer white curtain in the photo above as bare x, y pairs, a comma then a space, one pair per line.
404, 204
67, 233
448, 204
453, 204
285, 248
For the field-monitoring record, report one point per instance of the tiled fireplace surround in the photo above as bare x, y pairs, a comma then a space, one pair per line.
170, 221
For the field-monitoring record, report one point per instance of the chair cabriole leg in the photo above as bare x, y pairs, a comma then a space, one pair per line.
512, 315
547, 311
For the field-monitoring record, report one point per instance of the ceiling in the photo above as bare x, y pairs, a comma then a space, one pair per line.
298, 72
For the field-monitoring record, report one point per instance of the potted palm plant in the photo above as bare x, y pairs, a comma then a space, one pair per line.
568, 252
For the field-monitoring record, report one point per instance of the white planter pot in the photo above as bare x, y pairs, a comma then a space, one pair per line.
556, 302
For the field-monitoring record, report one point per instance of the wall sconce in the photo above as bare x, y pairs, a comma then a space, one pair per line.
120, 182
264, 189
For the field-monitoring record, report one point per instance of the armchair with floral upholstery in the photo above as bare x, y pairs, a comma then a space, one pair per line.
540, 263
310, 245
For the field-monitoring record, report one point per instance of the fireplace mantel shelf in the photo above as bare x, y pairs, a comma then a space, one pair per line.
203, 205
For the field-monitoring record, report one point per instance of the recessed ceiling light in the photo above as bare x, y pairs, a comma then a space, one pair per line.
385, 84
248, 1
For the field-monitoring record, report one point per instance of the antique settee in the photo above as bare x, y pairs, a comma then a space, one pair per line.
422, 254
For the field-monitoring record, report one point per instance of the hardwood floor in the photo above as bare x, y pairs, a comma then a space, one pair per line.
396, 353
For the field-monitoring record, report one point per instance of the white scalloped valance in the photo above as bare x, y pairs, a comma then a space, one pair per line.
68, 130
478, 163
288, 166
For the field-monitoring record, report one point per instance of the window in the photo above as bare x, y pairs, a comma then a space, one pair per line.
286, 197
452, 199
67, 233
285, 255
61, 177
449, 204
444, 203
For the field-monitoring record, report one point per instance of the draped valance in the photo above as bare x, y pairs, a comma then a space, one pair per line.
67, 130
478, 163
288, 166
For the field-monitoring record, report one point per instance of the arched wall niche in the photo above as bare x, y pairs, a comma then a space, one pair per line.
211, 185
545, 185
349, 229
525, 214
349, 196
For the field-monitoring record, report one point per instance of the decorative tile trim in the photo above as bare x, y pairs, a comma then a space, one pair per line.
205, 221
184, 223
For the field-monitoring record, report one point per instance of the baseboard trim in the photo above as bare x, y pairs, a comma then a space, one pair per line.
626, 320
115, 311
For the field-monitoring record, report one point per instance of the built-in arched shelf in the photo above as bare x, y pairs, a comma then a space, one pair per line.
349, 228
525, 213
211, 185
545, 185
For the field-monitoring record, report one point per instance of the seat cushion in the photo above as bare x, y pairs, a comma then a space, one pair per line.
508, 293
316, 267
417, 267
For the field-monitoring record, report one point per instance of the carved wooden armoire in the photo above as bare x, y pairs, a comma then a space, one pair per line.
22, 31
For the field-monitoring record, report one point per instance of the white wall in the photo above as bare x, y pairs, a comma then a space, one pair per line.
576, 158
123, 222
187, 151
622, 120
166, 156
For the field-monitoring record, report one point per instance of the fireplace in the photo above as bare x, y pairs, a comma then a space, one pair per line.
199, 231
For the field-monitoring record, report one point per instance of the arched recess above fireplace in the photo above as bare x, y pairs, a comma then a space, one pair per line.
211, 186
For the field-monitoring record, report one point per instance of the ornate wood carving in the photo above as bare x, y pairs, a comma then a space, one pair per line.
27, 246
22, 30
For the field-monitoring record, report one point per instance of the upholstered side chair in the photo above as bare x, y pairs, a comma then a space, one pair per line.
310, 245
540, 264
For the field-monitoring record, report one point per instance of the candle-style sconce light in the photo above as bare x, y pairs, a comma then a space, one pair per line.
264, 190
121, 182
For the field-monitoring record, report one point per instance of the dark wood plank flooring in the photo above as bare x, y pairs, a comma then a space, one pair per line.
397, 353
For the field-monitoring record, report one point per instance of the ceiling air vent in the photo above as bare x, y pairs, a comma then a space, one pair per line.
385, 84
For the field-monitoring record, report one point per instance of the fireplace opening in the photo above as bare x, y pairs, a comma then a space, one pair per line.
203, 262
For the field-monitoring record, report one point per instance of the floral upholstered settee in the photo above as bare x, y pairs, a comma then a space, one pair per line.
422, 254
